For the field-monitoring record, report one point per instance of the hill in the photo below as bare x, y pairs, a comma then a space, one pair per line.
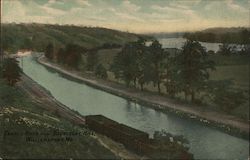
37, 36
222, 30
235, 35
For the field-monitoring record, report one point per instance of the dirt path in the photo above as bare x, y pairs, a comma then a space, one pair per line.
157, 101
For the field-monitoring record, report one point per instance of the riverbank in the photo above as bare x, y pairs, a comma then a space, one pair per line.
227, 123
35, 126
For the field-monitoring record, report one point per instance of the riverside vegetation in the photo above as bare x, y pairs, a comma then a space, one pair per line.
21, 117
219, 81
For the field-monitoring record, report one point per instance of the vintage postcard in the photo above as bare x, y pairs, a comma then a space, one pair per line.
124, 79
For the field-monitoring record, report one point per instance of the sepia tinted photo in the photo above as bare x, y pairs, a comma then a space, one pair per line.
124, 79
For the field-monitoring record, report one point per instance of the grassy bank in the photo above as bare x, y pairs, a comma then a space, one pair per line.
29, 131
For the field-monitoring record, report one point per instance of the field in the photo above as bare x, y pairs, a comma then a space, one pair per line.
239, 74
29, 131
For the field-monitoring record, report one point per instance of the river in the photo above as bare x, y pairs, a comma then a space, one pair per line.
179, 42
205, 142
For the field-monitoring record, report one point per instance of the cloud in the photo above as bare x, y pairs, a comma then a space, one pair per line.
232, 5
83, 2
129, 15
126, 16
176, 12
130, 6
187, 4
52, 11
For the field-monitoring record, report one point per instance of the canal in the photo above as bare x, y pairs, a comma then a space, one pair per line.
205, 142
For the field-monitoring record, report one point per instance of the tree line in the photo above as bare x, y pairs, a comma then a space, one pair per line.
185, 72
240, 37
138, 64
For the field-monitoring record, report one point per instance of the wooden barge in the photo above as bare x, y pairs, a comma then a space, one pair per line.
131, 138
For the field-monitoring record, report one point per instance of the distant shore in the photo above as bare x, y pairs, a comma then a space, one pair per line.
226, 123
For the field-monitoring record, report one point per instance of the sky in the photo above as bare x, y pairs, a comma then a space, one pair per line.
140, 16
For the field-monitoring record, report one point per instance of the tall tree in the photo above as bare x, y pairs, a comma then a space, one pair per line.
171, 77
125, 64
61, 55
157, 58
193, 68
11, 71
49, 51
73, 55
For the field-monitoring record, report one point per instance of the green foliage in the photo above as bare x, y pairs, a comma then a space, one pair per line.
18, 36
61, 55
157, 57
224, 96
171, 76
239, 36
171, 147
11, 71
192, 68
92, 60
71, 55
225, 49
101, 71
139, 63
49, 51
125, 64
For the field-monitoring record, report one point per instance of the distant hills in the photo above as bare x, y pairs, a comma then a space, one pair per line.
221, 35
37, 36
223, 30
166, 34
215, 31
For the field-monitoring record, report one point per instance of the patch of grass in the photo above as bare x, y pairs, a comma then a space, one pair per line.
239, 74
221, 60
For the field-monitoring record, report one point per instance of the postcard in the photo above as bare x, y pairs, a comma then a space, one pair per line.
124, 79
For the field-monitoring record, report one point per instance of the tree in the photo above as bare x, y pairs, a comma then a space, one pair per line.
192, 68
171, 77
224, 96
225, 49
157, 57
143, 70
49, 51
92, 60
73, 55
61, 55
100, 71
125, 64
11, 71
245, 36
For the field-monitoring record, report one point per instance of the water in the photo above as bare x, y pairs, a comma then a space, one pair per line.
179, 42
205, 143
